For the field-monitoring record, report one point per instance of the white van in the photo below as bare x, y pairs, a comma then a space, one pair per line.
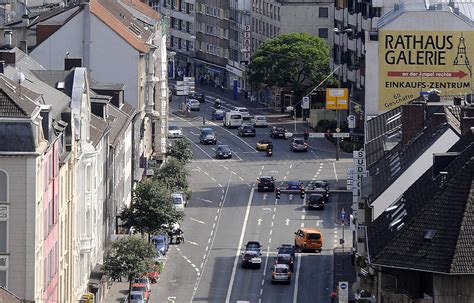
232, 119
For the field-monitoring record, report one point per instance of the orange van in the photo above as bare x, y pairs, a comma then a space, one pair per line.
308, 239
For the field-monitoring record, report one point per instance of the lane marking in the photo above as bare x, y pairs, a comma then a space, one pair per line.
205, 200
206, 173
266, 261
193, 243
291, 165
302, 224
335, 171
220, 185
198, 221
212, 178
237, 254
297, 276
241, 179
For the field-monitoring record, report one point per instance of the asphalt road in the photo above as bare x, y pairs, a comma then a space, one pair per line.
226, 211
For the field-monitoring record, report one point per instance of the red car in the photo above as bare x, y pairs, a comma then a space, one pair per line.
141, 287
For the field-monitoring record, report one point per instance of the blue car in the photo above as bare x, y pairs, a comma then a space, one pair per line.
161, 243
293, 185
218, 114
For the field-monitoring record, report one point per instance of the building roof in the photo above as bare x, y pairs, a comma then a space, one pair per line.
144, 9
17, 137
430, 228
52, 77
119, 121
98, 128
128, 109
122, 22
16, 103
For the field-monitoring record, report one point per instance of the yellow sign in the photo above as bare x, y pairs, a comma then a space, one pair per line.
337, 98
414, 62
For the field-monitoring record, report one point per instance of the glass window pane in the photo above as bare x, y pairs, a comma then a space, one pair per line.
3, 236
3, 186
3, 277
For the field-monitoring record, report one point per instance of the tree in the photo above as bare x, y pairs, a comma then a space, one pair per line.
151, 211
173, 175
298, 61
129, 257
181, 151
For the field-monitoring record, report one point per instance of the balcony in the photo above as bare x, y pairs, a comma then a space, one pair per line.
367, 24
339, 14
352, 44
352, 20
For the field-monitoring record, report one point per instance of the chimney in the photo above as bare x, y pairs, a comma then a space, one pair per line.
24, 46
26, 20
70, 63
413, 119
7, 38
467, 120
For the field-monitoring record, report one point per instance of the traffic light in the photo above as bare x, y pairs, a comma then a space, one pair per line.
277, 193
302, 192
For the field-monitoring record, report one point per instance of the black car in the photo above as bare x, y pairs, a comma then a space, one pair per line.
315, 201
320, 187
285, 259
199, 96
208, 136
277, 132
246, 130
253, 246
223, 152
251, 259
287, 249
266, 183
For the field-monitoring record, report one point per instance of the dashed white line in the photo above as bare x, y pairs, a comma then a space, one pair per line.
198, 221
335, 172
212, 232
204, 257
302, 224
291, 165
206, 173
220, 185
241, 179
215, 218
212, 178
271, 231
269, 240
263, 282
213, 225
193, 243
207, 248
297, 277
284, 178
272, 224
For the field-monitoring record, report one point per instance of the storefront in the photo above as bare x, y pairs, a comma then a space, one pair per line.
209, 73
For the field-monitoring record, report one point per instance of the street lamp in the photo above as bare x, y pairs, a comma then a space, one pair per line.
341, 76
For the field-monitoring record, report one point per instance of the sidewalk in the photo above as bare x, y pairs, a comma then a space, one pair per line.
117, 293
343, 269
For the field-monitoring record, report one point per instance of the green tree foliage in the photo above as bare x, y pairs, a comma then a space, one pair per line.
299, 61
181, 151
151, 209
173, 176
129, 257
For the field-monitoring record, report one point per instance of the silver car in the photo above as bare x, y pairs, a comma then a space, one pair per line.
281, 274
194, 104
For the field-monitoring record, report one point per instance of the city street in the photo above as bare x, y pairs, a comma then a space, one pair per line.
226, 211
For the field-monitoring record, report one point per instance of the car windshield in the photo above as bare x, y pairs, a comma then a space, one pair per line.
235, 116
260, 118
298, 141
279, 129
207, 132
281, 270
248, 127
176, 200
314, 236
248, 256
140, 280
138, 288
284, 258
159, 241
224, 149
266, 179
253, 246
136, 297
315, 197
293, 183
173, 127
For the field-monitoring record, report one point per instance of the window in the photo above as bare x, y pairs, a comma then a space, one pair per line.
323, 12
89, 177
3, 270
323, 33
3, 186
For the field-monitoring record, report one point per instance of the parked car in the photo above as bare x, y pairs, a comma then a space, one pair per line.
308, 239
266, 183
199, 96
161, 244
262, 144
174, 131
143, 280
136, 297
246, 130
281, 273
260, 121
223, 152
315, 201
136, 287
277, 132
208, 136
298, 144
217, 114
178, 201
194, 104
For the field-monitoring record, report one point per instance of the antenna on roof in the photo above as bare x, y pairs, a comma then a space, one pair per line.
20, 78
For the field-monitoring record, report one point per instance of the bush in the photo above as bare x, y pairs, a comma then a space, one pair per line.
324, 125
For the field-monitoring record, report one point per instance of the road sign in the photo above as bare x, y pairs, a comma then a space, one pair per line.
341, 135
316, 135
337, 98
305, 103
343, 293
338, 130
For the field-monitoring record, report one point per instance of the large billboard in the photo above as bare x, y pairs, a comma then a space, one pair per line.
414, 62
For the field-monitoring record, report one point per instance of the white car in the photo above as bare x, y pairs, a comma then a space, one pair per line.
242, 110
174, 131
281, 273
194, 104
260, 121
178, 200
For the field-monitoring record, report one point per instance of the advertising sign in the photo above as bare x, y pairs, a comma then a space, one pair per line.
337, 98
415, 62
